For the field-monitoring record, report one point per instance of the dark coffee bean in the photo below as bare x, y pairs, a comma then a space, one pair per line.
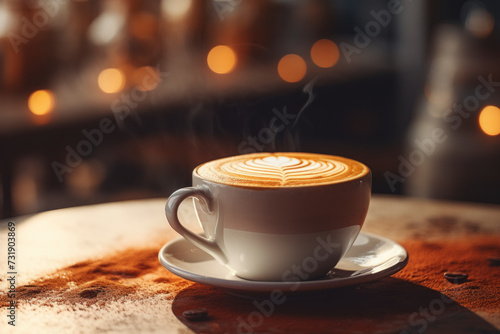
197, 314
494, 261
456, 277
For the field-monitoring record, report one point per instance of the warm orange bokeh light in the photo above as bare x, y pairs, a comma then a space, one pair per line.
489, 120
292, 68
325, 53
41, 102
144, 25
146, 78
221, 59
111, 80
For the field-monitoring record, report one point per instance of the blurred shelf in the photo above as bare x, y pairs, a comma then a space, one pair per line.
79, 99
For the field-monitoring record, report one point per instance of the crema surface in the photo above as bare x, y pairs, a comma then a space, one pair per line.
273, 170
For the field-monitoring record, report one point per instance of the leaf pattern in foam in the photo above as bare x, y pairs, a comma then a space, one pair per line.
283, 170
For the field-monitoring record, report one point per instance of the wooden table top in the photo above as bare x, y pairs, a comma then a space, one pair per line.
94, 269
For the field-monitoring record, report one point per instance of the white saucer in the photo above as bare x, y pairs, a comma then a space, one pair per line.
370, 258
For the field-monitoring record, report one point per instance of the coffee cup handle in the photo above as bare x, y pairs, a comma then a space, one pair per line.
202, 193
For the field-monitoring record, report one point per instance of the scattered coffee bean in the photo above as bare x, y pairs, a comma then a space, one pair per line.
456, 277
494, 261
197, 314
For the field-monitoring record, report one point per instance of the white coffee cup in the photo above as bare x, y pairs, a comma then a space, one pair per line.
268, 232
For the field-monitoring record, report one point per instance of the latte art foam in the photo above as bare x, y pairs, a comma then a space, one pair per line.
281, 170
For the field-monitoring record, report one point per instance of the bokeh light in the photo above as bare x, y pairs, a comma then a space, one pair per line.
106, 27
221, 59
176, 9
480, 22
41, 102
86, 178
489, 120
111, 80
146, 78
325, 53
292, 68
143, 25
6, 20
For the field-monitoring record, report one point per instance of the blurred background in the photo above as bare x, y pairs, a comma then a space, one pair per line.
120, 99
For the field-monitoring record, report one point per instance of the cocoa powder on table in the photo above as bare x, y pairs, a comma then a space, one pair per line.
384, 305
429, 260
102, 280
